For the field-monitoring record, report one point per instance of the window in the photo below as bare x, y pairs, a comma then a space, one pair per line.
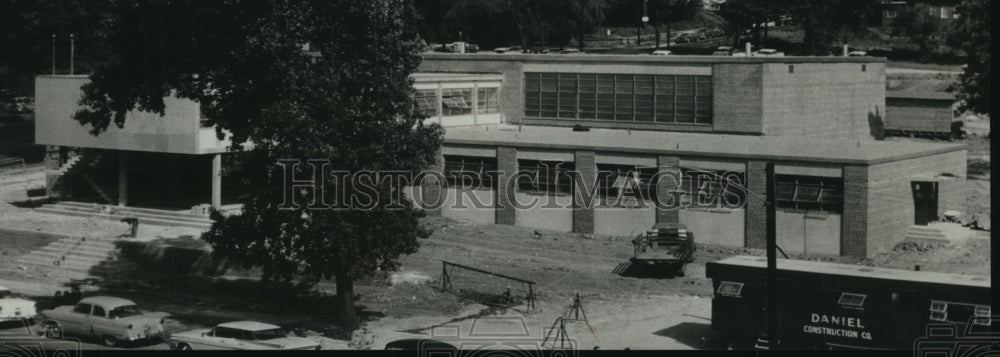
456, 101
982, 315
852, 301
82, 308
711, 184
488, 100
939, 311
427, 102
619, 97
545, 177
228, 333
890, 14
469, 171
729, 288
947, 12
125, 311
612, 179
791, 68
808, 193
98, 311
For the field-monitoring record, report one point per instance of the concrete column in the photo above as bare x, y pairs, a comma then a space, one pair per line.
756, 210
122, 178
53, 160
217, 181
507, 166
667, 164
583, 212
854, 220
431, 189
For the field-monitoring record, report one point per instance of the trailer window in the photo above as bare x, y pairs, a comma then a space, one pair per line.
939, 311
854, 301
729, 288
982, 316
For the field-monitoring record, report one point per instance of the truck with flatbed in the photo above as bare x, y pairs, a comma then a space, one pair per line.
666, 248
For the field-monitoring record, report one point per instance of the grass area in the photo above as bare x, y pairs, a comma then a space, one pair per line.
925, 66
17, 138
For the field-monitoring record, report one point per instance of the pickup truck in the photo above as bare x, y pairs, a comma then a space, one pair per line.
666, 248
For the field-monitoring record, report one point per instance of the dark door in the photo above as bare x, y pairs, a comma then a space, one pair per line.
925, 201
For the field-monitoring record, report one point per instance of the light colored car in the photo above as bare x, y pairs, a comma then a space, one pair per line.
857, 54
767, 52
723, 51
13, 307
109, 319
661, 53
240, 335
501, 49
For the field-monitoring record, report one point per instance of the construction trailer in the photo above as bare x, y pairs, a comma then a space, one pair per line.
841, 306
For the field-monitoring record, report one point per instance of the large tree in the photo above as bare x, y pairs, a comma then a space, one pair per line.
351, 105
972, 34
919, 26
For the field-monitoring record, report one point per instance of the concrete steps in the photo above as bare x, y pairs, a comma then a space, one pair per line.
145, 215
72, 257
937, 233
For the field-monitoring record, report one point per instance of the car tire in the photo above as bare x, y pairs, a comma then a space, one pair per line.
184, 347
109, 341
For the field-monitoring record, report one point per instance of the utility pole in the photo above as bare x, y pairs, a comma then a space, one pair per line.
53, 54
72, 53
772, 259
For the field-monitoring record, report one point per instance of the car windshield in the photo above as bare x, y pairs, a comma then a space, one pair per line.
271, 334
124, 311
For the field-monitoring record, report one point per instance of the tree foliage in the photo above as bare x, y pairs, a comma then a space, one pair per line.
823, 21
916, 23
972, 34
243, 61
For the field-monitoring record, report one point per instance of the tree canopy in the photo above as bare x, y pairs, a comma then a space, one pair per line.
349, 104
971, 33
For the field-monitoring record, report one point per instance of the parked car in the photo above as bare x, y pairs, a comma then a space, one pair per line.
423, 344
661, 53
683, 38
240, 335
570, 51
723, 51
501, 49
108, 318
471, 48
857, 54
516, 49
767, 52
14, 307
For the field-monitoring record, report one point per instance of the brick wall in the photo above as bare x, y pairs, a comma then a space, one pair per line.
583, 216
507, 166
756, 210
854, 223
737, 97
667, 164
822, 100
890, 201
918, 115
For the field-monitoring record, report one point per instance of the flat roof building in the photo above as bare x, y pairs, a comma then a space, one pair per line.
715, 120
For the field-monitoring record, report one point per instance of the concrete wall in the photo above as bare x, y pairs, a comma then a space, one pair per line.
737, 104
890, 205
468, 210
822, 100
178, 131
918, 115
541, 215
624, 221
809, 233
719, 227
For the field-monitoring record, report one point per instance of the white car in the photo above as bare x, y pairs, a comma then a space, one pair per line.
13, 307
661, 53
108, 318
240, 335
501, 49
767, 52
857, 54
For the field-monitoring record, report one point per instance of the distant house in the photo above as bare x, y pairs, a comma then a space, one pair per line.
944, 10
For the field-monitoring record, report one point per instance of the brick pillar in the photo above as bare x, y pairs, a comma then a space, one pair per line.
217, 181
53, 160
507, 166
854, 220
583, 212
667, 164
756, 209
431, 188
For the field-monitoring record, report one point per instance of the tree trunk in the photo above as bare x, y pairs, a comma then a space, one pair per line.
668, 32
345, 300
765, 29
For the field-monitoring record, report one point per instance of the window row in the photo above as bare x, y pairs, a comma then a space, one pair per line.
809, 193
457, 101
619, 97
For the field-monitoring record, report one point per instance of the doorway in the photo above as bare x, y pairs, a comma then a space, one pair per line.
925, 201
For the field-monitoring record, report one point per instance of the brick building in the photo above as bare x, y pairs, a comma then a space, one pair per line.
715, 120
